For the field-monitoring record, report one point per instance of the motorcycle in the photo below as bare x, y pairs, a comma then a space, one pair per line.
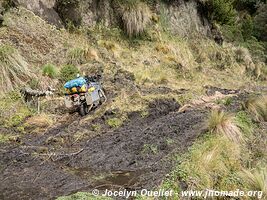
84, 102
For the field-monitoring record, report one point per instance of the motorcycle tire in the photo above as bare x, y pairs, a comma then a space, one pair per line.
84, 109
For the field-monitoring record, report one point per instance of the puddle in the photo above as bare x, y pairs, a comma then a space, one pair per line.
119, 179
111, 180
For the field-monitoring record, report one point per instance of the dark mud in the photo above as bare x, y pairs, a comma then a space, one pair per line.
134, 156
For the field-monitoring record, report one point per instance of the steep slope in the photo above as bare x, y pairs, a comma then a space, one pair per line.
160, 85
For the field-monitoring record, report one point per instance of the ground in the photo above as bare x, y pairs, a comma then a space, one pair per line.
160, 93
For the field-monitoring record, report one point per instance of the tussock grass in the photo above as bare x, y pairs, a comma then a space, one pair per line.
210, 163
222, 123
255, 179
14, 69
258, 107
136, 15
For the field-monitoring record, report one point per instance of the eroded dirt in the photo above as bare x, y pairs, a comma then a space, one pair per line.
136, 155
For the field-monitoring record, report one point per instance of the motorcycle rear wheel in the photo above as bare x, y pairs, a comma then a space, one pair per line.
84, 109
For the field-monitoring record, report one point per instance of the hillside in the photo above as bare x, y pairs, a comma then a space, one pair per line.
186, 87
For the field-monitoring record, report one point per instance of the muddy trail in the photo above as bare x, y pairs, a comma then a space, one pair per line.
134, 156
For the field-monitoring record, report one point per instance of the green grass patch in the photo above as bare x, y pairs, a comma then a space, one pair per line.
13, 111
49, 70
245, 123
114, 122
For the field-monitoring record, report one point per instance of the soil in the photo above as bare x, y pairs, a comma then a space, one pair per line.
136, 155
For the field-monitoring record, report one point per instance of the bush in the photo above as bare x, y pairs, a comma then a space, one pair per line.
68, 72
221, 11
135, 16
49, 70
260, 22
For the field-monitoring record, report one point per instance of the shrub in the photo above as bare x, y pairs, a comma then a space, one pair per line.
260, 22
49, 70
258, 107
222, 123
68, 72
221, 11
135, 16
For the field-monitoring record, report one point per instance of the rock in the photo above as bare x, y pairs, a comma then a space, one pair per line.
185, 18
42, 8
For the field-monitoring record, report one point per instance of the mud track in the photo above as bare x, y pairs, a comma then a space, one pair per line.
136, 155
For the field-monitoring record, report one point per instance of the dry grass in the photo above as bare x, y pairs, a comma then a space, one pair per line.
14, 69
258, 108
78, 56
135, 17
209, 163
256, 180
41, 121
222, 123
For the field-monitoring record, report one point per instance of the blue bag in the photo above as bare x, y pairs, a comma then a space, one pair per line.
78, 82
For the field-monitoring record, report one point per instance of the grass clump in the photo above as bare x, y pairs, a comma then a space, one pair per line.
4, 138
258, 108
68, 72
210, 163
49, 70
114, 122
14, 69
222, 123
255, 180
135, 16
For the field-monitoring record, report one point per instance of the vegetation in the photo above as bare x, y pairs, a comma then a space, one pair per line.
77, 56
114, 122
210, 163
219, 163
49, 70
68, 72
221, 11
14, 69
258, 107
222, 123
136, 71
135, 16
13, 111
255, 179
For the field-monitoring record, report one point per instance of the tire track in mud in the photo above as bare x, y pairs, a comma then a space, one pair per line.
136, 155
